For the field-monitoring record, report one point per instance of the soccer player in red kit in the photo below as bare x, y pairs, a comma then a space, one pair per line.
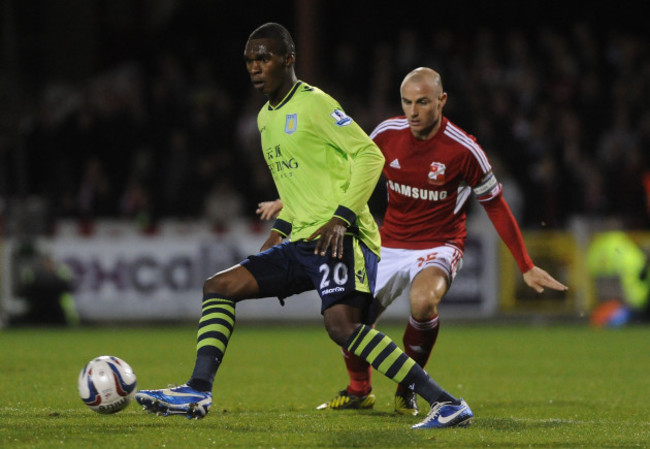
432, 167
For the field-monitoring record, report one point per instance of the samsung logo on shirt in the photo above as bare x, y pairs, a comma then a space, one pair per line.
417, 193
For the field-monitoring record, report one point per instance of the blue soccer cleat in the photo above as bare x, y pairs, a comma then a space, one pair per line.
446, 414
181, 400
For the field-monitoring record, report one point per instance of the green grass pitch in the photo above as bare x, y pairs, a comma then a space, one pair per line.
529, 386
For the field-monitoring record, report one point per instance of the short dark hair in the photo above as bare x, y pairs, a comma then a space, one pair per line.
275, 31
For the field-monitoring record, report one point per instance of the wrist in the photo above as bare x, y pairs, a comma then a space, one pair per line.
281, 227
346, 215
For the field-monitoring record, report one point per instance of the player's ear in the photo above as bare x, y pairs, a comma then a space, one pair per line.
290, 59
443, 99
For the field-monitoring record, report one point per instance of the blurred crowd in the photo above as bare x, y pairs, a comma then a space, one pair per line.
563, 115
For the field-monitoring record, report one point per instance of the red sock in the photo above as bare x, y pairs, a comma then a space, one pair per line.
360, 373
419, 338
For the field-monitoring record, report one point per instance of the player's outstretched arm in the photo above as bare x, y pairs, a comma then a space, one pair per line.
268, 210
537, 279
505, 224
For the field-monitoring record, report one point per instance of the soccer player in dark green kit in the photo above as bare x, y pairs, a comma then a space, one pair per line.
325, 169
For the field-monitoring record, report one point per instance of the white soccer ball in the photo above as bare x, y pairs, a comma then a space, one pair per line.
107, 384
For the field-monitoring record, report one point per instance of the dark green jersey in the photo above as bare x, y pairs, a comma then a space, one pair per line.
322, 162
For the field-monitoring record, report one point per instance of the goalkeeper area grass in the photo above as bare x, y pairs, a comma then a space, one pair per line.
552, 386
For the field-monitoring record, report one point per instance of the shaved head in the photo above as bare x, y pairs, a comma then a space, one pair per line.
424, 75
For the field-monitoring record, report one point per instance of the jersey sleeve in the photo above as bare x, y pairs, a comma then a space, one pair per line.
345, 135
478, 171
489, 193
506, 226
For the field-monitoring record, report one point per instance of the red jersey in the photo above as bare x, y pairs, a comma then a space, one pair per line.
429, 183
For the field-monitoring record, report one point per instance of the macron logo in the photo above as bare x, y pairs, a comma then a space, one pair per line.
395, 164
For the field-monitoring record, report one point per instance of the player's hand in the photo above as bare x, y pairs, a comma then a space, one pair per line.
331, 237
537, 279
268, 210
275, 238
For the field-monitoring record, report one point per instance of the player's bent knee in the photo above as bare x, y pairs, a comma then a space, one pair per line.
339, 333
216, 284
341, 320
234, 283
424, 307
339, 330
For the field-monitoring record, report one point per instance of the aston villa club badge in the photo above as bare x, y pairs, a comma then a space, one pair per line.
436, 174
291, 124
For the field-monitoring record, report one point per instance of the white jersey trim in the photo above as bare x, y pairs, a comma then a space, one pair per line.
457, 135
464, 192
393, 123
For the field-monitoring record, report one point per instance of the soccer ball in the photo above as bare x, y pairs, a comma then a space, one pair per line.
107, 384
